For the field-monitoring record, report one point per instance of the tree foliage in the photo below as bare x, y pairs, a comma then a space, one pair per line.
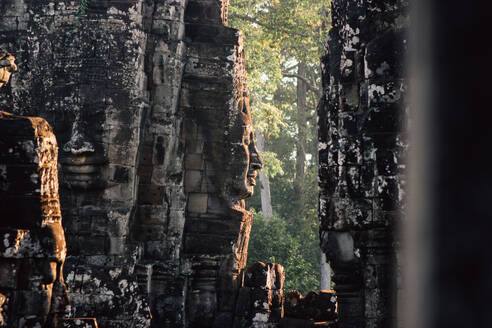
83, 5
276, 240
280, 36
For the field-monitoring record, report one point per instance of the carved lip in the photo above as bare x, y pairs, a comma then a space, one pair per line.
82, 171
81, 160
252, 178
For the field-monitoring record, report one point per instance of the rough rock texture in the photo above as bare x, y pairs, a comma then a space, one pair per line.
221, 163
316, 306
32, 248
157, 151
33, 292
79, 323
260, 301
362, 144
87, 77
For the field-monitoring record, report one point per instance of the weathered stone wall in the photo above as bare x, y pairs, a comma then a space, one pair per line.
221, 162
108, 82
362, 144
260, 301
150, 109
32, 248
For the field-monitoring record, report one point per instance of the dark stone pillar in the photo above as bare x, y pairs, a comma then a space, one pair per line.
362, 143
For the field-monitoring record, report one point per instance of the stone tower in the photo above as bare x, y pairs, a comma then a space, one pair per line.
362, 146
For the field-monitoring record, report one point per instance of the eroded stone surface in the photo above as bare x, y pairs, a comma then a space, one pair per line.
362, 145
260, 301
221, 164
150, 109
110, 84
32, 240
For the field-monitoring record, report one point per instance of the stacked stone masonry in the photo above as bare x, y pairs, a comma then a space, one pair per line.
148, 101
33, 249
362, 145
260, 301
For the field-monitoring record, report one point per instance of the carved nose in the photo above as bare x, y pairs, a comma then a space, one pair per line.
13, 68
256, 161
78, 143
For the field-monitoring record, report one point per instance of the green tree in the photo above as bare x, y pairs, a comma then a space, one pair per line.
284, 40
275, 240
83, 5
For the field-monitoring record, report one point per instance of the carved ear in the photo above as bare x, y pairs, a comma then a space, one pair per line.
340, 247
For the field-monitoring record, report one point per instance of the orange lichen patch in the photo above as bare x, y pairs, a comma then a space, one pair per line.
47, 150
16, 243
323, 324
224, 10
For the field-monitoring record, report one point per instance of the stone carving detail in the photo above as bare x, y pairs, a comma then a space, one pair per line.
315, 307
221, 163
362, 145
7, 66
33, 250
33, 247
149, 102
260, 301
110, 87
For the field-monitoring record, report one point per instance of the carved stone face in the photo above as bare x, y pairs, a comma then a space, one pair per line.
94, 110
98, 146
52, 240
7, 67
245, 159
34, 247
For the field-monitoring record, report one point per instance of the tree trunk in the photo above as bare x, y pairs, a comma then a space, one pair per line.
266, 199
325, 273
301, 140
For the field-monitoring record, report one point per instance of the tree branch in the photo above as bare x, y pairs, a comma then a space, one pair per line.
303, 79
254, 20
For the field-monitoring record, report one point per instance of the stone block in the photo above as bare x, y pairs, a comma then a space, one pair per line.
79, 323
150, 232
194, 162
243, 302
215, 205
261, 300
223, 319
176, 221
152, 214
94, 245
8, 273
117, 245
211, 34
389, 192
204, 12
194, 146
151, 194
208, 244
197, 203
260, 275
193, 181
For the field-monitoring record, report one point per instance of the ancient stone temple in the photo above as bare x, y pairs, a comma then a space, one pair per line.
33, 249
362, 143
148, 103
